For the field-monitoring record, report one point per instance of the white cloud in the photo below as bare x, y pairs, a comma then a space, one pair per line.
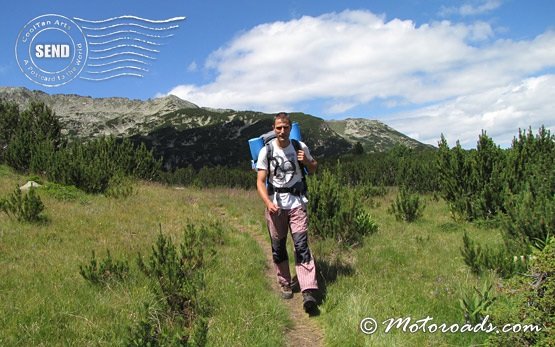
192, 67
340, 107
486, 6
500, 112
353, 58
481, 31
472, 8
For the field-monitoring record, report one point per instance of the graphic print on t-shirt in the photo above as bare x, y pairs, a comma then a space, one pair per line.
283, 169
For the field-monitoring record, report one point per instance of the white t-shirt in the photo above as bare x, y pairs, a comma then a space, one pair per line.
284, 172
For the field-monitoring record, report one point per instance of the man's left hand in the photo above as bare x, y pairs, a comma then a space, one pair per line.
302, 158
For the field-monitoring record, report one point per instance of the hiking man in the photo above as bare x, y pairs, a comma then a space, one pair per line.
280, 164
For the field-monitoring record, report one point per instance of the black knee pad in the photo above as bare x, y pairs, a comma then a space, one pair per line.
302, 253
279, 250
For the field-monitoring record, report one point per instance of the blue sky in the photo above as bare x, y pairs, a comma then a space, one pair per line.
422, 67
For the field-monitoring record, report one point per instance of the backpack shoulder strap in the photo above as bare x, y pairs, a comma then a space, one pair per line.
269, 156
297, 146
269, 153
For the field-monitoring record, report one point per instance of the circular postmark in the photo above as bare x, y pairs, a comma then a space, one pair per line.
51, 50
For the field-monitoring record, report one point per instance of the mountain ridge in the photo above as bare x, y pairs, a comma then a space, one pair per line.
185, 134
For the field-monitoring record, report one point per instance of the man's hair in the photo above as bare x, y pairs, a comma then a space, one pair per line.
284, 116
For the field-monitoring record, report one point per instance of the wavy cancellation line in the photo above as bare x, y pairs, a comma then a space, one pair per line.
130, 32
174, 19
131, 24
119, 68
128, 74
124, 38
124, 46
128, 60
132, 40
122, 53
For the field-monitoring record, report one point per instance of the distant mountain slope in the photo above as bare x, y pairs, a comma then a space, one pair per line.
186, 134
374, 135
84, 116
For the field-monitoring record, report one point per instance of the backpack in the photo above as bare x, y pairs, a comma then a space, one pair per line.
257, 143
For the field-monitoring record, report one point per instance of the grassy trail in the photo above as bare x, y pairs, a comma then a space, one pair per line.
302, 331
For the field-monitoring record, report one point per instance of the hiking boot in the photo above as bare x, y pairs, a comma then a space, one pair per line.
286, 291
309, 302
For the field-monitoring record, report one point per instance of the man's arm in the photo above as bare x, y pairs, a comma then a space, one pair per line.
263, 191
312, 166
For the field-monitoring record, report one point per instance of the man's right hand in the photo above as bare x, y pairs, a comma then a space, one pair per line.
272, 208
263, 192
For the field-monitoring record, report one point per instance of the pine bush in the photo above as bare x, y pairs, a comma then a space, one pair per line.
23, 207
500, 259
472, 254
31, 137
120, 186
398, 166
471, 181
91, 165
178, 274
177, 271
104, 272
530, 300
9, 118
336, 212
530, 216
407, 206
530, 190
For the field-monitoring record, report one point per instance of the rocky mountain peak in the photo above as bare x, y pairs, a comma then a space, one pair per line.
374, 135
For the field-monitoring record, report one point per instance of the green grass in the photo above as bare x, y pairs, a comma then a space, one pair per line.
45, 301
245, 312
404, 270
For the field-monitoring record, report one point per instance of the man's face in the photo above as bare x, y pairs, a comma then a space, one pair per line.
282, 129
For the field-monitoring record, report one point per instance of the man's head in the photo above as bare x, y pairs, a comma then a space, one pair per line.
284, 116
282, 126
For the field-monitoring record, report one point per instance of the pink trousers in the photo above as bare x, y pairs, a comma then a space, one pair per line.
278, 226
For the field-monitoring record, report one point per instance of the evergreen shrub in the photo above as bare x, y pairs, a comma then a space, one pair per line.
336, 212
120, 186
499, 259
530, 301
104, 272
23, 207
407, 206
30, 136
61, 192
178, 276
